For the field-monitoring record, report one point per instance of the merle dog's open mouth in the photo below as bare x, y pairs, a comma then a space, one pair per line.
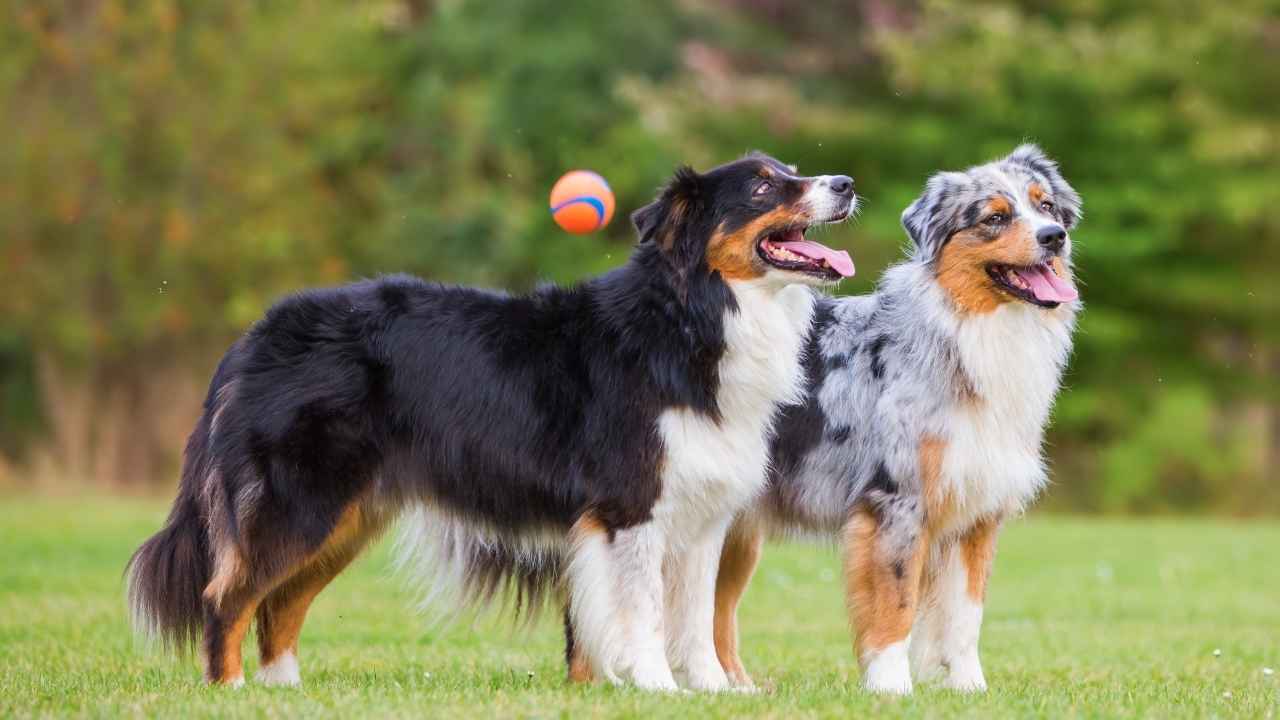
790, 250
1036, 284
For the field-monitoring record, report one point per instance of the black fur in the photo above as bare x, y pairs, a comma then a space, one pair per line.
877, 363
800, 427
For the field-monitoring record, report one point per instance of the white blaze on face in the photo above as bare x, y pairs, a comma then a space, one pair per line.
823, 202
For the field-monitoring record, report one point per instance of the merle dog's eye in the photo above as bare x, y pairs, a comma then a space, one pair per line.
995, 219
1046, 205
762, 188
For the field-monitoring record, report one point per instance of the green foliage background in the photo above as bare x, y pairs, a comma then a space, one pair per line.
171, 167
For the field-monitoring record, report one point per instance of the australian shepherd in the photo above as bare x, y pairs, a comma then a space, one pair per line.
923, 422
923, 425
595, 440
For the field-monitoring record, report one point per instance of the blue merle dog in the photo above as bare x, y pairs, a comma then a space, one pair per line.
924, 422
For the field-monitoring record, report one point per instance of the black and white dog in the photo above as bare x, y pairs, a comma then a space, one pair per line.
924, 421
604, 434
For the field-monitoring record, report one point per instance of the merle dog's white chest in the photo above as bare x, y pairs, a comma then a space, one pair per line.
1013, 359
712, 468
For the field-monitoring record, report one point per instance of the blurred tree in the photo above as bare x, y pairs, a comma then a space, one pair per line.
178, 165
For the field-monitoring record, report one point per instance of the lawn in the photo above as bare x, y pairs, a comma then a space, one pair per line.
1087, 618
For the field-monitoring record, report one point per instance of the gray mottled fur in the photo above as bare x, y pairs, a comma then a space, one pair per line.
895, 368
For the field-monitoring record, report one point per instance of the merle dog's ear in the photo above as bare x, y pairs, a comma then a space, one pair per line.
931, 218
1066, 200
663, 221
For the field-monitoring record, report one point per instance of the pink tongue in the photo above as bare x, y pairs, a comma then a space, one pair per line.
838, 260
1046, 285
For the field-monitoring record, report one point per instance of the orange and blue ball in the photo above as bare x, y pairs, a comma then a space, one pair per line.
581, 202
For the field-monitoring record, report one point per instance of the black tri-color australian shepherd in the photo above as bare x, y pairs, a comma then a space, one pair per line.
590, 443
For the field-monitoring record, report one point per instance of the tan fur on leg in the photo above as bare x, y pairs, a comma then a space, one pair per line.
738, 563
882, 588
283, 612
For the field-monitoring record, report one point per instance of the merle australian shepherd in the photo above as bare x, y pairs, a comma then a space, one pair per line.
923, 426
590, 443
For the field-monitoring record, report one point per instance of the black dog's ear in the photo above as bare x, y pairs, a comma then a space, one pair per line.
1067, 200
931, 218
663, 221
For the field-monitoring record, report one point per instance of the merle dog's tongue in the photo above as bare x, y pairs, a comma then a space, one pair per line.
839, 260
1046, 285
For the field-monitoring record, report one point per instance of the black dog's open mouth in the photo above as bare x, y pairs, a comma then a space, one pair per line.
789, 250
1036, 284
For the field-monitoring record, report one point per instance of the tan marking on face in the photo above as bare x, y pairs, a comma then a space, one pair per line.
738, 562
1035, 193
881, 598
978, 548
733, 254
962, 264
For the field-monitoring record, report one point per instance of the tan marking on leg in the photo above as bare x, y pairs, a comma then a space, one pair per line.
228, 573
738, 563
283, 612
939, 501
579, 667
586, 524
979, 548
881, 593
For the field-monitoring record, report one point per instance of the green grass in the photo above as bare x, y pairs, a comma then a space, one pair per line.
1087, 618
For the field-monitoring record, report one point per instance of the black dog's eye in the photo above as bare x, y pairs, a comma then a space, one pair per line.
994, 219
762, 188
1046, 205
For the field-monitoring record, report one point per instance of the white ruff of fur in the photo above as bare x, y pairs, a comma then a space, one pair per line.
993, 463
713, 468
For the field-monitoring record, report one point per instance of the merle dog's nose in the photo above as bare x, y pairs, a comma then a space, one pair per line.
841, 184
1051, 237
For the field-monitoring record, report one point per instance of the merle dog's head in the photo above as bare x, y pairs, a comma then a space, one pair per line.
746, 220
998, 233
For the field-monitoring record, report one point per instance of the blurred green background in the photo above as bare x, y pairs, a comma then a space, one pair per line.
171, 167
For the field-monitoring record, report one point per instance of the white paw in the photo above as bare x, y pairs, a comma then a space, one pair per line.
236, 683
653, 676
706, 676
281, 672
888, 671
966, 677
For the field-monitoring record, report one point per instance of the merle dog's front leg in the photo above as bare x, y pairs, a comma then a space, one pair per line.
884, 548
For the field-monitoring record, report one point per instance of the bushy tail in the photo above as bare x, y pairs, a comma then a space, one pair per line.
167, 576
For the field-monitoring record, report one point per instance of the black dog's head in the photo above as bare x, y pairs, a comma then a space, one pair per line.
746, 220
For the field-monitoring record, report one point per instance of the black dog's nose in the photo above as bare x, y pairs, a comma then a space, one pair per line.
1052, 237
841, 184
